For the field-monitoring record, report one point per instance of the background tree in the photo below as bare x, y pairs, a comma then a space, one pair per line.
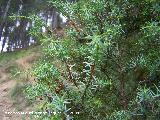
19, 8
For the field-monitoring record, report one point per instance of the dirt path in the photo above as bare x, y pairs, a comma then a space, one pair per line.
6, 85
25, 62
5, 102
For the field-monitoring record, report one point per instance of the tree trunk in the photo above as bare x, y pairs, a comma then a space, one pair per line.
22, 30
53, 18
122, 92
4, 18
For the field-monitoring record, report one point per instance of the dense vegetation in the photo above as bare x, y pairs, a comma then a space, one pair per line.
106, 65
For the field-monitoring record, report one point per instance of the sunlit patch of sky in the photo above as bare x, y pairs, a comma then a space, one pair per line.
5, 46
31, 41
11, 29
17, 23
49, 21
43, 29
27, 27
64, 19
4, 29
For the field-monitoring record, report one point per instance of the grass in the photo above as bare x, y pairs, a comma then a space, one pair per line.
8, 57
18, 96
7, 64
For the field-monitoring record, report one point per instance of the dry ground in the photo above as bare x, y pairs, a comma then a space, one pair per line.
7, 104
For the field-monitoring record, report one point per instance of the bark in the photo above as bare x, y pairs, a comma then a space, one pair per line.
122, 92
59, 21
46, 16
56, 20
4, 18
53, 19
22, 36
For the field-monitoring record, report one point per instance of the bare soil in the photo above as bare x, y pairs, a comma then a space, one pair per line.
6, 85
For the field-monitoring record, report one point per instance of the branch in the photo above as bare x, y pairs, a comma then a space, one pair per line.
88, 84
70, 75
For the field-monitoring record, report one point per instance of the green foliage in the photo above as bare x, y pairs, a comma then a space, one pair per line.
146, 104
120, 115
34, 31
111, 48
12, 56
18, 97
38, 24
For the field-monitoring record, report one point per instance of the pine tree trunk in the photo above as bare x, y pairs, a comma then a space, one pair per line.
4, 18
